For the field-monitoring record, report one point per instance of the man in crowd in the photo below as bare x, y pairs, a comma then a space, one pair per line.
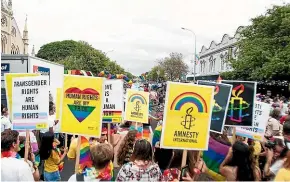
13, 169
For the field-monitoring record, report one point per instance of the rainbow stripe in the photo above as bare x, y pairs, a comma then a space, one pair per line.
112, 116
189, 97
85, 159
140, 97
213, 158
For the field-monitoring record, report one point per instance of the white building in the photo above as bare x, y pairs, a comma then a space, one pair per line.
12, 42
213, 60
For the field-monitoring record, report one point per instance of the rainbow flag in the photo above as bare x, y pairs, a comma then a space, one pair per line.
156, 135
85, 159
213, 158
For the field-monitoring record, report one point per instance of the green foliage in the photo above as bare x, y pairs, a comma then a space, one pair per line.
153, 74
79, 55
174, 66
264, 49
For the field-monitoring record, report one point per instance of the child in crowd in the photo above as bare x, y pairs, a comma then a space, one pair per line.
52, 156
126, 148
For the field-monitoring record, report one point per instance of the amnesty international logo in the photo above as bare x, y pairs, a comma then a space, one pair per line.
137, 107
138, 101
193, 98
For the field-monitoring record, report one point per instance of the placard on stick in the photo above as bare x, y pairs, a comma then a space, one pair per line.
222, 95
261, 115
30, 107
187, 116
113, 101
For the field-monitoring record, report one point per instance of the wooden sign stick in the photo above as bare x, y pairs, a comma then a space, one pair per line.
78, 155
234, 136
65, 141
184, 157
109, 133
27, 140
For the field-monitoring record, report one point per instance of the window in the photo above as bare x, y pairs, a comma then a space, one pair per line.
3, 43
13, 31
202, 66
17, 50
3, 21
13, 49
211, 64
224, 58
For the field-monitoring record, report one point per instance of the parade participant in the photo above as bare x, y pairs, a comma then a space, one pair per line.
273, 126
283, 173
52, 156
141, 167
102, 170
13, 169
5, 122
239, 164
30, 159
126, 148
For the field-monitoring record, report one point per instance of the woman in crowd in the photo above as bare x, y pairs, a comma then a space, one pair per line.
273, 126
239, 164
102, 170
284, 173
30, 159
52, 157
141, 167
5, 122
126, 148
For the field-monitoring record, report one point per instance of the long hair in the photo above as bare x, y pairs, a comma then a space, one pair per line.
142, 151
46, 145
243, 159
126, 145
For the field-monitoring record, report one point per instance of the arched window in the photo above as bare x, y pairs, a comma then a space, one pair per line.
3, 43
224, 58
13, 49
13, 31
17, 50
3, 20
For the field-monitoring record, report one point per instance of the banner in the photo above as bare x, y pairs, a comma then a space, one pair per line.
41, 70
30, 107
58, 103
187, 116
137, 106
261, 116
113, 101
241, 106
82, 105
8, 86
222, 95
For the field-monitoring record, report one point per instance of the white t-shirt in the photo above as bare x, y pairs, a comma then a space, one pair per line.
276, 166
5, 123
51, 119
86, 178
13, 169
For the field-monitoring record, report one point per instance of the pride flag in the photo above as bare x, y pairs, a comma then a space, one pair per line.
213, 158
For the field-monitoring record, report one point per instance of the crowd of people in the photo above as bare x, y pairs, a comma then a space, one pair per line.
144, 160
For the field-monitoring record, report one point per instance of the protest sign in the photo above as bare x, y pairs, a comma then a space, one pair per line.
187, 116
261, 116
30, 107
137, 106
241, 106
113, 101
82, 105
222, 94
8, 86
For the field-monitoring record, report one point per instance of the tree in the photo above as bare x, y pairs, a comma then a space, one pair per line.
264, 48
78, 55
174, 67
153, 74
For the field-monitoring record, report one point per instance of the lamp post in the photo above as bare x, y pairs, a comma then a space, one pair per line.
194, 64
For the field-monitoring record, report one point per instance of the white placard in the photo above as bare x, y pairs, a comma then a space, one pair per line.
261, 116
113, 101
30, 105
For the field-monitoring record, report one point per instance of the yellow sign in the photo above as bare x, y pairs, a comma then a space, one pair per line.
187, 116
58, 103
82, 105
137, 106
8, 85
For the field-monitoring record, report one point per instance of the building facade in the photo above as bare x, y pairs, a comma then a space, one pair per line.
213, 60
12, 42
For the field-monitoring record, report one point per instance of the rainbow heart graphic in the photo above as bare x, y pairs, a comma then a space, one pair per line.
81, 112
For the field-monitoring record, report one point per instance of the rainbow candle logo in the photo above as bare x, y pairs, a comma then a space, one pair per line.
216, 106
189, 97
242, 105
139, 97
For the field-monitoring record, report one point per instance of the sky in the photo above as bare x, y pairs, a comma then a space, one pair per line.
138, 31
